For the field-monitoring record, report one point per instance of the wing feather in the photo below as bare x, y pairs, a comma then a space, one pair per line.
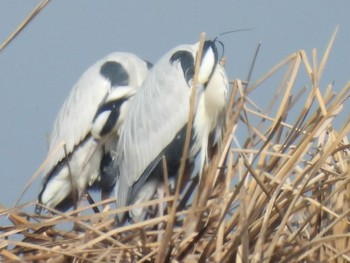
74, 120
157, 112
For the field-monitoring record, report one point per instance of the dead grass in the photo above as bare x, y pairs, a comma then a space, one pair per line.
24, 23
282, 196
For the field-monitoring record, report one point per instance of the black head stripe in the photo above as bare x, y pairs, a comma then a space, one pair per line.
187, 63
210, 44
114, 108
115, 73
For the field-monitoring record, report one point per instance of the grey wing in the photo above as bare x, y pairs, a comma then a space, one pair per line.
74, 119
156, 113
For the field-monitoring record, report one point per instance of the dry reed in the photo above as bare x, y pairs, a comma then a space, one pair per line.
283, 196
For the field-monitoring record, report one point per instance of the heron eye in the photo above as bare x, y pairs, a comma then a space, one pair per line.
187, 63
115, 73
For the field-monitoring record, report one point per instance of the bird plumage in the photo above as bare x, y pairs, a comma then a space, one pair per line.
157, 117
85, 117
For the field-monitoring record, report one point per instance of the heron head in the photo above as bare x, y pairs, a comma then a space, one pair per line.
208, 61
186, 57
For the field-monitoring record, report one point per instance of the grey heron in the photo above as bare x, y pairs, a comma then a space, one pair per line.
157, 117
94, 109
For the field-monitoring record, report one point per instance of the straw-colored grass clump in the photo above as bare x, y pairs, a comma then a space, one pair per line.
282, 195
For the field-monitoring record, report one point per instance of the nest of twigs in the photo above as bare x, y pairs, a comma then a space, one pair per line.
283, 195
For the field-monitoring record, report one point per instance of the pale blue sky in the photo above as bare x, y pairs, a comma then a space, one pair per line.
40, 66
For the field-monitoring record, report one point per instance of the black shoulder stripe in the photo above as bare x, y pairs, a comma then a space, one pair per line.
57, 168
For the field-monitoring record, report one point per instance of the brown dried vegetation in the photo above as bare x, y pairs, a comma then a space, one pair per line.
283, 196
